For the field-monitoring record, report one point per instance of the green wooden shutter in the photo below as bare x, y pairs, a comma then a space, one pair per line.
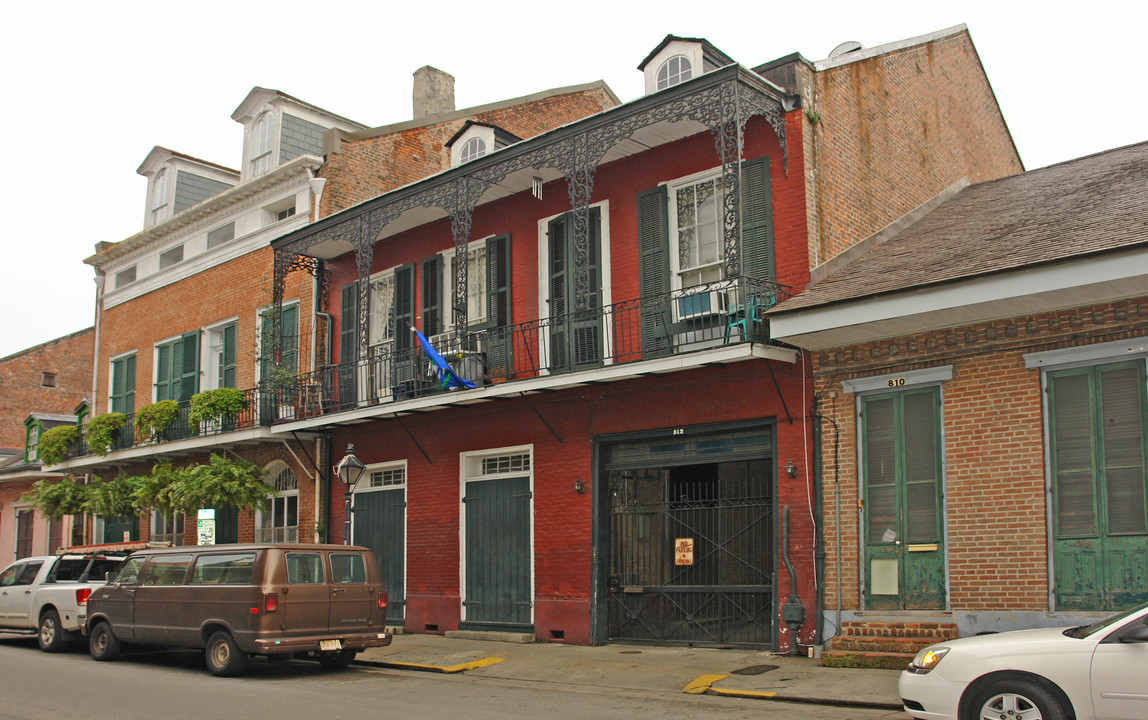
349, 323
756, 221
654, 271
289, 332
404, 314
433, 292
189, 366
164, 370
124, 384
229, 362
498, 305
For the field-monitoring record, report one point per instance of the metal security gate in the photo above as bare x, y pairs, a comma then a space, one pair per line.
691, 553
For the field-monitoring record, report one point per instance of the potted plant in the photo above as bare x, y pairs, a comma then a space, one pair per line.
54, 443
153, 419
101, 430
215, 405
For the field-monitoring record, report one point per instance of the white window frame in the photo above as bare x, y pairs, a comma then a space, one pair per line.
544, 283
472, 149
112, 374
676, 271
470, 470
176, 519
481, 132
160, 202
260, 159
667, 77
211, 352
271, 473
473, 248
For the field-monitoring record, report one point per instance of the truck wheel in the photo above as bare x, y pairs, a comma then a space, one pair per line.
337, 659
223, 656
102, 644
53, 637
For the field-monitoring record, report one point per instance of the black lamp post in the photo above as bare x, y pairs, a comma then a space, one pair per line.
349, 470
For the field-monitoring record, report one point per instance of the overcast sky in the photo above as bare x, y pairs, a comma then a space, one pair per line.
92, 87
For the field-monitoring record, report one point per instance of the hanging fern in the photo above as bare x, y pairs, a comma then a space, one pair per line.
153, 419
56, 498
101, 430
215, 404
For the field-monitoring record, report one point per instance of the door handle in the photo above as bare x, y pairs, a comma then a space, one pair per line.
336, 590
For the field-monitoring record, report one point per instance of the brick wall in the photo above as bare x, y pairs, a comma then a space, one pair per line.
896, 129
21, 376
993, 445
363, 169
239, 288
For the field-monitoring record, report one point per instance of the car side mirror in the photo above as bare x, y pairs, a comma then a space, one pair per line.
1137, 634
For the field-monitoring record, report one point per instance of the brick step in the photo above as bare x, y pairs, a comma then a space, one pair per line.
876, 628
877, 643
850, 659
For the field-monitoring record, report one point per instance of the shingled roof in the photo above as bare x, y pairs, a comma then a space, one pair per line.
1091, 205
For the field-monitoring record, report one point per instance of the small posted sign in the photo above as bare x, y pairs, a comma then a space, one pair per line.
205, 527
684, 551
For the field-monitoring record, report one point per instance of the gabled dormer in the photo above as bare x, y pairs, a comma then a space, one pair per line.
475, 139
677, 59
278, 128
177, 181
34, 427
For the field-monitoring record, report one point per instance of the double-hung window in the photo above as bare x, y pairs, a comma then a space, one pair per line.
697, 213
476, 280
279, 522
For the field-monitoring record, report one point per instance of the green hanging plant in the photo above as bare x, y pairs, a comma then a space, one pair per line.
111, 499
215, 405
54, 443
101, 430
56, 498
153, 419
219, 483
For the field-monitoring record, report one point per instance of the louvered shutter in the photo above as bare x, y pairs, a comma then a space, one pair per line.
756, 221
289, 333
654, 271
433, 292
164, 371
228, 362
1071, 409
349, 323
404, 315
189, 366
556, 234
498, 305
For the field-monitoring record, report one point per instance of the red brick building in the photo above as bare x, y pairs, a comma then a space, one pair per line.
634, 459
40, 387
186, 305
979, 384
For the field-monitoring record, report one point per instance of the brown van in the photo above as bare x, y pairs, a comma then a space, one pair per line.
323, 602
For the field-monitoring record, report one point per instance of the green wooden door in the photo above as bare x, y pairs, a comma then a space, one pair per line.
379, 519
1097, 426
114, 529
226, 525
498, 591
904, 540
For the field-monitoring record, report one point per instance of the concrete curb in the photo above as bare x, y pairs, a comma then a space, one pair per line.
447, 669
704, 686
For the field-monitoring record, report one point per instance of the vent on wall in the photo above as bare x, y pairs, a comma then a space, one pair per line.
849, 46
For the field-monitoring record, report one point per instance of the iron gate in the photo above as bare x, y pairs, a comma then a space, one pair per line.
721, 591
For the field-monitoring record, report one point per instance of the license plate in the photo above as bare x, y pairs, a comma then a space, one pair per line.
330, 644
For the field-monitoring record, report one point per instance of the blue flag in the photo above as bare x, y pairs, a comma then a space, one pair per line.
446, 376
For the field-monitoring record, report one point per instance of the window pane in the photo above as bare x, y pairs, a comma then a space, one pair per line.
232, 569
166, 570
304, 568
348, 568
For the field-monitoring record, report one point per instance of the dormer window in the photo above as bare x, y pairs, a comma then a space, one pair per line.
159, 201
676, 70
262, 140
472, 150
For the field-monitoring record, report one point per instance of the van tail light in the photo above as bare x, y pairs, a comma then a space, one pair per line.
82, 595
383, 599
270, 602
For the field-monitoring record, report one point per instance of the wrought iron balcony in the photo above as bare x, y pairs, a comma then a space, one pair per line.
690, 320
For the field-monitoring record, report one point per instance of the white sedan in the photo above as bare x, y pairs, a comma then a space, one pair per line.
1093, 671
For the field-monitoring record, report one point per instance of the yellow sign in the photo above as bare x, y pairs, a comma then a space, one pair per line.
684, 551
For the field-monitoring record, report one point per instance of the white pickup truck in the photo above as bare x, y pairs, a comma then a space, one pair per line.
48, 596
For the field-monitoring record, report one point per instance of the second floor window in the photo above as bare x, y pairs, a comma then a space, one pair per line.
697, 211
177, 368
123, 391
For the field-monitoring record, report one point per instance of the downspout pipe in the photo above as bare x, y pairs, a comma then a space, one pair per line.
793, 612
99, 280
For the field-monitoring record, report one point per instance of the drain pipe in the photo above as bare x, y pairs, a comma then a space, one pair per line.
793, 612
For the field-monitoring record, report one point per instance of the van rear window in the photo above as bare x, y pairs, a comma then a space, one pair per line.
231, 569
348, 568
304, 568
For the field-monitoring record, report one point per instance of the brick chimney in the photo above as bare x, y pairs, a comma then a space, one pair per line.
433, 93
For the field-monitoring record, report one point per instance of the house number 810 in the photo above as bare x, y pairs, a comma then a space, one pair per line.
896, 382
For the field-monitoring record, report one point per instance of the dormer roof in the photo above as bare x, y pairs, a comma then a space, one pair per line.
259, 97
502, 137
159, 155
709, 51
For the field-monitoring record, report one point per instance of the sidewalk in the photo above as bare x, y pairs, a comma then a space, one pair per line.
741, 673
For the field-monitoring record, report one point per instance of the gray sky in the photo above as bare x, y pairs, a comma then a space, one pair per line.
92, 87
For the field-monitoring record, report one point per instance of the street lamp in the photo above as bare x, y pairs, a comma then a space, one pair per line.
349, 470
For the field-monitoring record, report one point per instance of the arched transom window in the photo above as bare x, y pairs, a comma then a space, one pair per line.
673, 71
280, 521
472, 150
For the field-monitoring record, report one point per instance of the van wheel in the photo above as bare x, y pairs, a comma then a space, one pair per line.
102, 644
338, 659
53, 637
224, 658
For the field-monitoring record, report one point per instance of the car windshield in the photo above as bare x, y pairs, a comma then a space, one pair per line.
1085, 630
